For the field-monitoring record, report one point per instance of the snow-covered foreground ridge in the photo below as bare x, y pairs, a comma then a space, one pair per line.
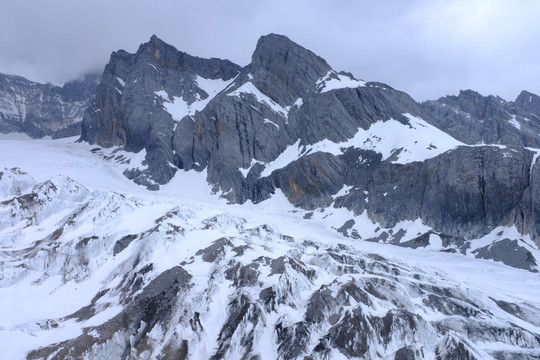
94, 267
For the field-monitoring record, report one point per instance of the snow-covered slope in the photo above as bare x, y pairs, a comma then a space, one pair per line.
94, 266
398, 142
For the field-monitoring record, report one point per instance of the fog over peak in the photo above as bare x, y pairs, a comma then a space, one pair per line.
426, 48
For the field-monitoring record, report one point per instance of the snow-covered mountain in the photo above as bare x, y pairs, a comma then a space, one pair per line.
288, 211
42, 110
289, 123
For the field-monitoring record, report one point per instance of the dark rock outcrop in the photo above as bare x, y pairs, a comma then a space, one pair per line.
40, 110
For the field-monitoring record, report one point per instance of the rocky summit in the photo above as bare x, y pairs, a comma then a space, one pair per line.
280, 210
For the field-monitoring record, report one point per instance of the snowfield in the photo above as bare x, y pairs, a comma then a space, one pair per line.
85, 252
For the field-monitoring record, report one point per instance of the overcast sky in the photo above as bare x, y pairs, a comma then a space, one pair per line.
428, 48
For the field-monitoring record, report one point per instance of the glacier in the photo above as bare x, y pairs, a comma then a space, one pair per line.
96, 267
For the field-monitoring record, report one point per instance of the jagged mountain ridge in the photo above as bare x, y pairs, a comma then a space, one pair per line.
40, 110
288, 122
473, 118
128, 110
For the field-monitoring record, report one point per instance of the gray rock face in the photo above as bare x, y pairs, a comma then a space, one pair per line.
284, 71
473, 118
476, 188
128, 110
465, 192
310, 181
462, 194
40, 110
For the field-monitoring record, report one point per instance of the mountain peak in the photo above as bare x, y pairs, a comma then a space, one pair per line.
164, 55
286, 52
273, 39
527, 96
527, 103
158, 49
478, 105
155, 38
468, 93
285, 70
156, 43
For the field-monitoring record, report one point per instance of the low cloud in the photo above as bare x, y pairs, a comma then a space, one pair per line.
426, 48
